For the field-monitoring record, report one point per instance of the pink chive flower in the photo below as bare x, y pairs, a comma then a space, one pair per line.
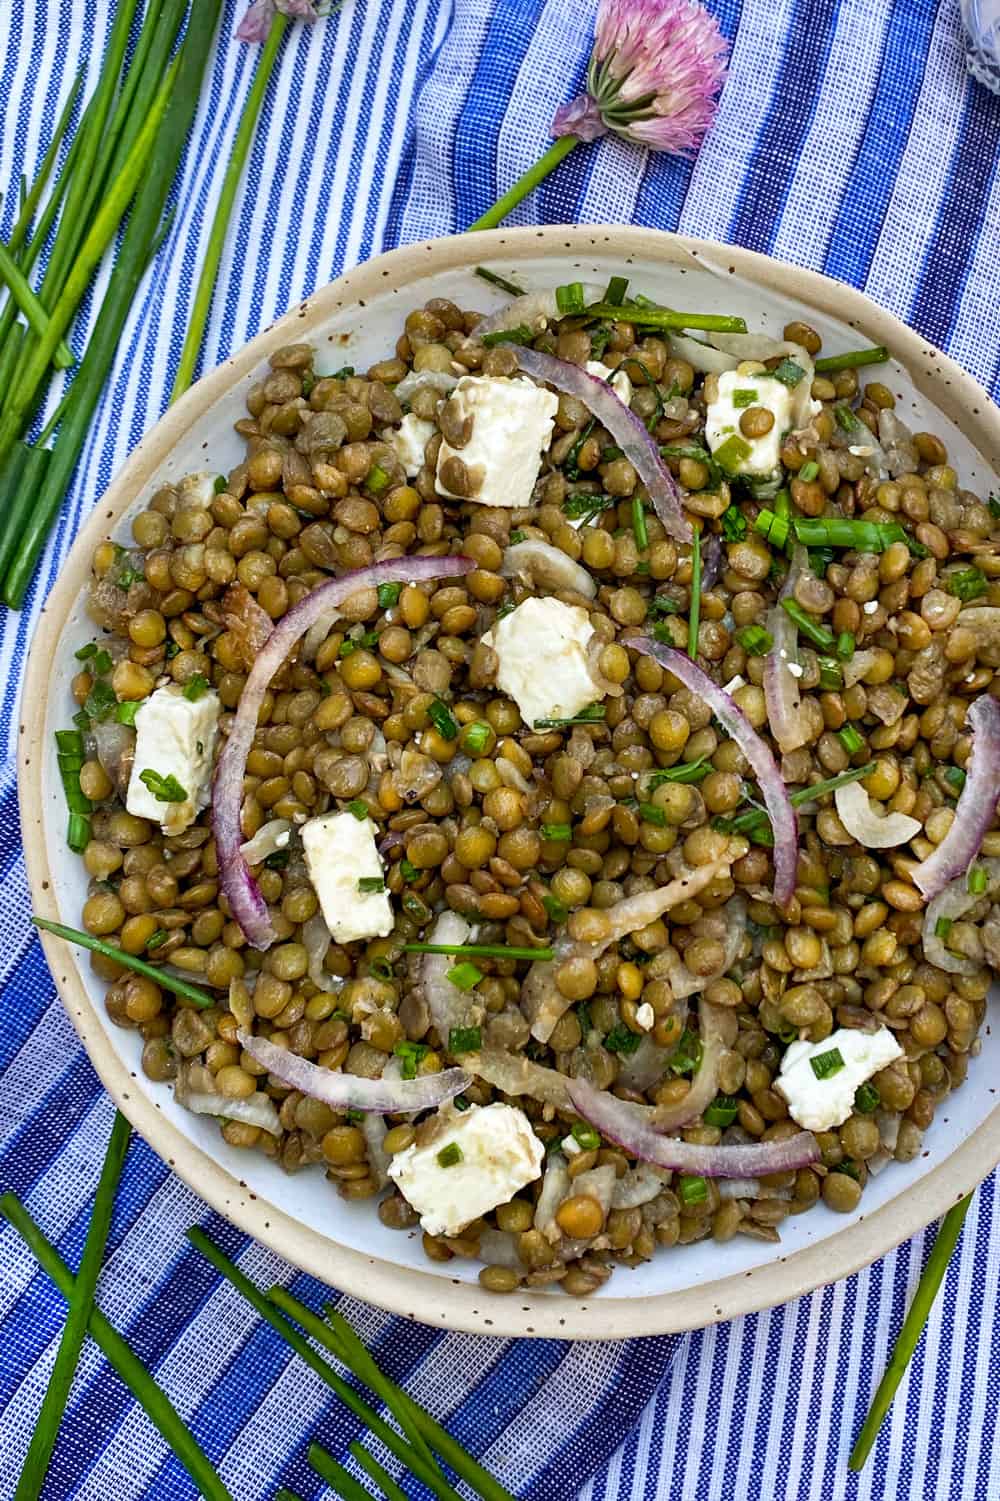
654, 78
257, 22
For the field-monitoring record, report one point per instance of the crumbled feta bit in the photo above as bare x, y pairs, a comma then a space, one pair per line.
819, 1104
542, 647
617, 379
758, 457
175, 736
645, 1016
340, 850
734, 683
500, 1155
571, 1146
870, 606
408, 442
795, 668
511, 429
861, 450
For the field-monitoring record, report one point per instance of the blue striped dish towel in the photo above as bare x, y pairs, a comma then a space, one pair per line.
849, 139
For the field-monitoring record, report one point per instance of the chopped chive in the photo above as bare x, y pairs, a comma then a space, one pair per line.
78, 832
622, 1041
955, 777
845, 646
570, 298
732, 453
126, 712
86, 652
978, 881
408, 869
465, 976
788, 372
585, 507
519, 335
450, 1156
694, 609
196, 687
867, 1099
370, 884
615, 294
475, 737
586, 1137
755, 640
831, 676
825, 1065
755, 820
721, 1112
557, 911
377, 479
517, 536
388, 595
692, 1190
221, 484
852, 359
166, 789
809, 471
969, 583
480, 950
650, 813
98, 946
359, 808
592, 714
69, 742
639, 524
502, 282
465, 1039
151, 1397
819, 634
684, 772
558, 833
442, 720
850, 739
773, 527
734, 524
686, 1056
102, 663
157, 940
652, 317
745, 397
412, 1055
942, 927
390, 1490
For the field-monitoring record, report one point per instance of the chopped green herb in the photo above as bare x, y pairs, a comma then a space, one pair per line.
825, 1065
685, 772
78, 832
519, 335
819, 634
942, 928
755, 640
692, 1190
388, 595
356, 1116
358, 808
788, 372
465, 976
845, 646
570, 298
969, 583
441, 718
465, 1039
342, 373
412, 1054
809, 471
86, 652
978, 881
660, 631
558, 833
196, 687
694, 608
721, 1112
617, 287
773, 527
571, 464
734, 524
157, 940
650, 813
592, 714
639, 524
647, 315
620, 1040
100, 700
129, 576
125, 713
450, 1155
699, 454
581, 506
368, 884
955, 776
994, 506
484, 950
476, 737
166, 789
831, 676
662, 604
610, 453
867, 1099
600, 338
557, 910
586, 1137
277, 860
745, 397
502, 282
377, 479
408, 870
732, 453
851, 360
221, 484
171, 650
686, 1057
850, 739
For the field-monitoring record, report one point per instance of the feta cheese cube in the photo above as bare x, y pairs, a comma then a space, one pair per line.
820, 1103
408, 442
500, 1154
340, 851
511, 429
756, 457
175, 737
542, 647
645, 1016
617, 379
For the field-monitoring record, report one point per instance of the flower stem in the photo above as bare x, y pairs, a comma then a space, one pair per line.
526, 183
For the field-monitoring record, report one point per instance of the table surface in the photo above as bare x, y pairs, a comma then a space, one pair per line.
849, 139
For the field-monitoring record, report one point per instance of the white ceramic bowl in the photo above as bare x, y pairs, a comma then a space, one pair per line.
357, 320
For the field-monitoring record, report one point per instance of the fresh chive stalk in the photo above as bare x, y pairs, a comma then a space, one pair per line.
819, 634
29, 486
371, 1419
755, 819
81, 1307
639, 524
223, 212
341, 1480
913, 1325
378, 1473
179, 987
654, 317
478, 950
153, 1400
19, 234
852, 359
502, 282
35, 315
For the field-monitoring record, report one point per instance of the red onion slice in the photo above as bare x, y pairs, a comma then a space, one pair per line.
241, 890
351, 1091
977, 804
765, 768
623, 425
627, 1124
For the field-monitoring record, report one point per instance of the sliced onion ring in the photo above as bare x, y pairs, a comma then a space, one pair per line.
246, 903
701, 357
717, 1027
351, 1091
952, 904
259, 1110
627, 1124
765, 768
876, 831
543, 566
623, 425
977, 803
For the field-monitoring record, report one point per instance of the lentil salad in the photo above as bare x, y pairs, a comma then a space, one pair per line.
502, 831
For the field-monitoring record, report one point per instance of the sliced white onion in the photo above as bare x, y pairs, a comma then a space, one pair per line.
115, 745
640, 1185
897, 442
645, 1067
449, 1006
351, 1091
546, 568
555, 1187
416, 380
543, 1003
268, 840
762, 762
738, 1188
375, 1131
626, 1124
514, 1074
856, 667
317, 634
629, 433
717, 1028
888, 1122
683, 983
317, 938
702, 357
257, 1110
951, 905
499, 1248
876, 831
977, 803
511, 775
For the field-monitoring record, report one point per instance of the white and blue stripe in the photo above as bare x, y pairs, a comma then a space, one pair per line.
850, 139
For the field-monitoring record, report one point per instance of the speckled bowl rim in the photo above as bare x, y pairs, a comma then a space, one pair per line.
426, 1297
